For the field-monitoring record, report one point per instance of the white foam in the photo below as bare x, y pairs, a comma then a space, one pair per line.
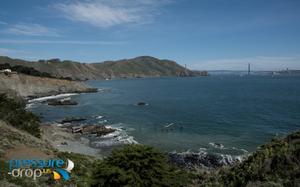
203, 160
231, 159
112, 135
101, 90
52, 97
102, 121
100, 117
128, 140
217, 145
118, 137
30, 105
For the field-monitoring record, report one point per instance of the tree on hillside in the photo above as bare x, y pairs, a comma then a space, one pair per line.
137, 165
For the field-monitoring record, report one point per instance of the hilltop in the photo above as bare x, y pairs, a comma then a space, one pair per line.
143, 66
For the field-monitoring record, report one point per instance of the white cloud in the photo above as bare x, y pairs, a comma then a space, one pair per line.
103, 14
258, 63
3, 23
16, 53
31, 30
11, 52
74, 42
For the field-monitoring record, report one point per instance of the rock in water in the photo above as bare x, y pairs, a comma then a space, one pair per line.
99, 130
56, 102
141, 104
73, 119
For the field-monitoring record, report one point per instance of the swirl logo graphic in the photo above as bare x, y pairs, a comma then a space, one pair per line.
63, 173
34, 169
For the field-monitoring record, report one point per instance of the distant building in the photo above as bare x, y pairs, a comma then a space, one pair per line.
6, 71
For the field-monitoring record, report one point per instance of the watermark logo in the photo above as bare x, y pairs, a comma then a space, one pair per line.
34, 169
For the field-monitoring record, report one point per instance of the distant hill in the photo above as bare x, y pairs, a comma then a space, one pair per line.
143, 66
287, 72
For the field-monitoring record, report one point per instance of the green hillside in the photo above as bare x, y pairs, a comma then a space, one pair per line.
144, 66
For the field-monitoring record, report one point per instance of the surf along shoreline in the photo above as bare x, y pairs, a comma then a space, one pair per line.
61, 135
77, 134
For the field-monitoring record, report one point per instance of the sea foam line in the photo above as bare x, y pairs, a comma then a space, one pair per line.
52, 97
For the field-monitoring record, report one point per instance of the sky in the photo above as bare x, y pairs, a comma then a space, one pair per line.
203, 34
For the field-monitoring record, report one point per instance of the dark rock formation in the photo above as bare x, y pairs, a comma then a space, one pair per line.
141, 104
57, 102
72, 119
98, 130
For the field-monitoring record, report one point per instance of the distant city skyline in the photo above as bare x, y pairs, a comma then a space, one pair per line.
203, 34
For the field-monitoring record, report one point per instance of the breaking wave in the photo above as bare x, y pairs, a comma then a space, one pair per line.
116, 138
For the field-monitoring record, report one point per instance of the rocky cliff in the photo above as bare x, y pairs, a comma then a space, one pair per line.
32, 86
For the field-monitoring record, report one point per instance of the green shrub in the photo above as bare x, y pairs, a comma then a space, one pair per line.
137, 165
274, 164
14, 113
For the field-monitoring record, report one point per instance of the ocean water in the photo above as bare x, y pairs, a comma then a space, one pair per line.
224, 114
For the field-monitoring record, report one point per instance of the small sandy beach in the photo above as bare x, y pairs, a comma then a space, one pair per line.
62, 139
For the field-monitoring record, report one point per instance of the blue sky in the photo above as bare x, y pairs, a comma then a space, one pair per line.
204, 34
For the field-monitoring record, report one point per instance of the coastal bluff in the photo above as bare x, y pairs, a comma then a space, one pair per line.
28, 86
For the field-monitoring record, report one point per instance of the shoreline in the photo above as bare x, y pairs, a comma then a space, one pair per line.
50, 95
61, 137
63, 140
47, 97
58, 135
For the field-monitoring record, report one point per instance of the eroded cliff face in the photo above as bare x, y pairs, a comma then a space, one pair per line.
31, 86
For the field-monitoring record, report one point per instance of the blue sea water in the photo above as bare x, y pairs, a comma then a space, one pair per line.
227, 114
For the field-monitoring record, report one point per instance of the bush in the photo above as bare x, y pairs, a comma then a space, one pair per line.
137, 165
273, 164
14, 113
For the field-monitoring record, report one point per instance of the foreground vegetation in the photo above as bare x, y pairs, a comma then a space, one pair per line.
274, 164
13, 112
138, 165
